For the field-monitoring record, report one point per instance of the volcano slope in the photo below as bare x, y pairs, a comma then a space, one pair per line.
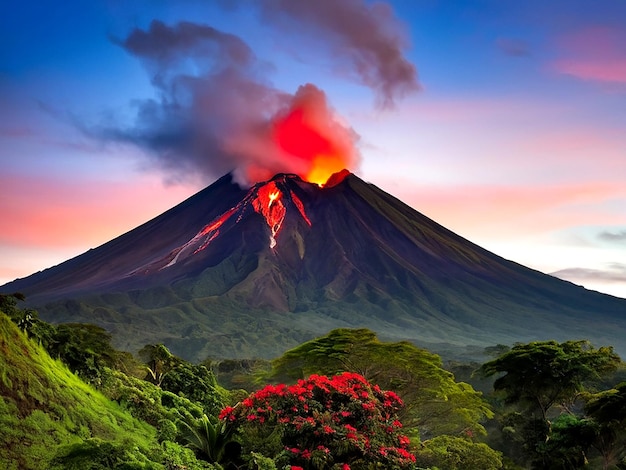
234, 272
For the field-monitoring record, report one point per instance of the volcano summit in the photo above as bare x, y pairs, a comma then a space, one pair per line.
234, 272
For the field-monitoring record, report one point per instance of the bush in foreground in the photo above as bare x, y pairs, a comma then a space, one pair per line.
342, 422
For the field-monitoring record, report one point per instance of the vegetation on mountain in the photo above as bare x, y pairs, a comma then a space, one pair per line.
319, 422
69, 400
45, 407
366, 260
552, 416
435, 403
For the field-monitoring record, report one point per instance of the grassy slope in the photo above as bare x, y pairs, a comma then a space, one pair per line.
44, 406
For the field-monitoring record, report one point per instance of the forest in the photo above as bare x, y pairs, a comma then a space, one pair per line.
343, 401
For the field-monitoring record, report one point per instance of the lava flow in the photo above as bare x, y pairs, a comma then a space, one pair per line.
270, 199
268, 202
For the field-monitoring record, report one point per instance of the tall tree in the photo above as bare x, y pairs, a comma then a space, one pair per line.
159, 362
543, 374
434, 402
608, 410
324, 423
542, 381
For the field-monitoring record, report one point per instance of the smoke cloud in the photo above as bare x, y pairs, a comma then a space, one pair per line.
366, 37
303, 137
618, 237
216, 112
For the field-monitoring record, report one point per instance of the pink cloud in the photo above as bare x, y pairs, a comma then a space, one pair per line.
44, 213
498, 212
595, 54
607, 70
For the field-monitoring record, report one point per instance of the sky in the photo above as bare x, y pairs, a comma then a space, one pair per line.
504, 121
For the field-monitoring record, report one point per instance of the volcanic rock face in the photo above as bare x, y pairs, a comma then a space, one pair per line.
249, 272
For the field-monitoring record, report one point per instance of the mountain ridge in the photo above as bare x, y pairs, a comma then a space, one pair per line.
347, 255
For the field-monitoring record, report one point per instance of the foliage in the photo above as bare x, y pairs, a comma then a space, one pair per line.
324, 423
196, 383
27, 320
178, 408
238, 373
85, 348
159, 362
567, 447
176, 457
43, 405
544, 383
539, 375
457, 453
95, 454
435, 403
208, 437
608, 410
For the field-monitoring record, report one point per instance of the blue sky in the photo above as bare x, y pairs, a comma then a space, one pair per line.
511, 133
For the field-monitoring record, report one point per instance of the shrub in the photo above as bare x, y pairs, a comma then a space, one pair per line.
341, 422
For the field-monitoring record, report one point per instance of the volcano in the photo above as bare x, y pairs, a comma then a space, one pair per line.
249, 272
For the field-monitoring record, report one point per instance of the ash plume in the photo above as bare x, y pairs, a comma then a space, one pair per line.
367, 37
215, 111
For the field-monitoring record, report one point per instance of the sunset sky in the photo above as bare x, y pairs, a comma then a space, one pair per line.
504, 121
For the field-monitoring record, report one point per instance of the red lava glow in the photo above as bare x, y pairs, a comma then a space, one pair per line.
267, 199
309, 134
298, 203
269, 204
217, 222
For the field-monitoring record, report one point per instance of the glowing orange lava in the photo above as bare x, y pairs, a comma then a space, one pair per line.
272, 197
267, 199
268, 203
321, 152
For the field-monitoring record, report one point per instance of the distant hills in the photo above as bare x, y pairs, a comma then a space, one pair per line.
235, 272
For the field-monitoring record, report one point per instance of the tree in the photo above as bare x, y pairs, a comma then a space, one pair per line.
434, 402
543, 380
196, 383
457, 453
608, 411
540, 375
85, 348
341, 422
159, 362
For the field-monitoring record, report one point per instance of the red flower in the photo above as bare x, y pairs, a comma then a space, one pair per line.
404, 441
227, 413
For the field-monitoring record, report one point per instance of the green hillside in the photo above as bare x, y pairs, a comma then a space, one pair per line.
44, 406
342, 401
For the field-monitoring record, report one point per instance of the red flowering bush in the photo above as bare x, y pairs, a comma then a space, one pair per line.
339, 423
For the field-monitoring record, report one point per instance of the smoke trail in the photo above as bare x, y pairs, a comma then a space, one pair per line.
367, 37
216, 112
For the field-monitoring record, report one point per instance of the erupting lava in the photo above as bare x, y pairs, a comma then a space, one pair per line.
271, 199
311, 139
274, 210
